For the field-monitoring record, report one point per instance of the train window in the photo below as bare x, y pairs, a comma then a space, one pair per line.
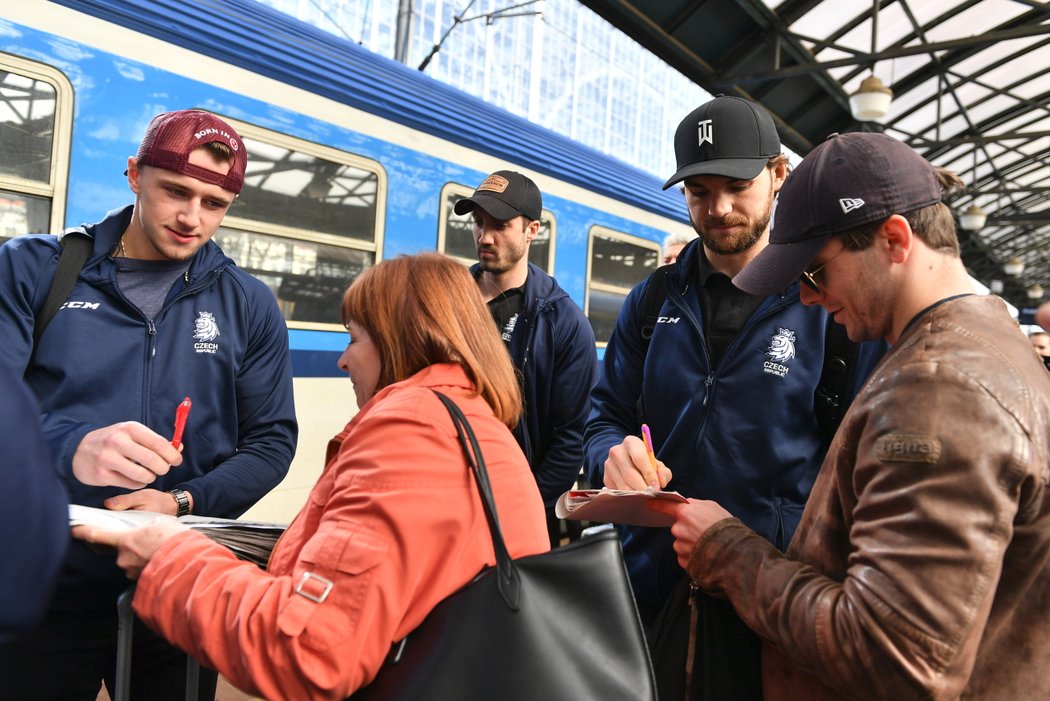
616, 262
308, 221
456, 232
35, 126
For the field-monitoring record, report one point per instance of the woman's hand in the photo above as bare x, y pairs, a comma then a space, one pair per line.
135, 547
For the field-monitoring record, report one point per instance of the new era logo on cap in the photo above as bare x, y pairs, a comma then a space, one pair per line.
848, 204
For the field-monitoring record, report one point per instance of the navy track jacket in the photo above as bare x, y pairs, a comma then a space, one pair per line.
556, 358
219, 339
744, 435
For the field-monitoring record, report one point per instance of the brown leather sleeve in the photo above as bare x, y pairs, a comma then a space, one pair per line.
903, 542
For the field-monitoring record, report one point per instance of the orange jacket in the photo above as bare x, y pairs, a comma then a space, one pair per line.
394, 523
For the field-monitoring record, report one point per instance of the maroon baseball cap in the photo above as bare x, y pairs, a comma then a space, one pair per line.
844, 183
172, 136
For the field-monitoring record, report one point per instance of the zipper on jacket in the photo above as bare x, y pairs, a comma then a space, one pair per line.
677, 299
780, 305
523, 422
707, 388
151, 351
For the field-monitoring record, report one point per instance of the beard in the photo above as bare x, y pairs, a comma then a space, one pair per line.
735, 242
504, 257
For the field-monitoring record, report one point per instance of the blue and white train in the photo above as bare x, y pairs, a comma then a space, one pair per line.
353, 158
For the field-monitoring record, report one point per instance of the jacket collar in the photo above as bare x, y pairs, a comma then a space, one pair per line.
108, 231
540, 287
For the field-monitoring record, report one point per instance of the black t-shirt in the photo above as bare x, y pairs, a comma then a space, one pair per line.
506, 309
726, 308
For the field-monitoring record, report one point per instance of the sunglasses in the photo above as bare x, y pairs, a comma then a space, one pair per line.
809, 277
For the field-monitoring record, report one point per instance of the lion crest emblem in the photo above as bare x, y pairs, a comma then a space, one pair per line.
206, 330
782, 346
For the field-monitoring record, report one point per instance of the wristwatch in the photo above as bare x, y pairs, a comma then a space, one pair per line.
182, 499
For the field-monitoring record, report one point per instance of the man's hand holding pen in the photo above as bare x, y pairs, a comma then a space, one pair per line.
127, 455
130, 455
632, 465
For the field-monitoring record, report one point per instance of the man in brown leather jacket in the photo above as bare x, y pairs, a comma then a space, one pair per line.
921, 567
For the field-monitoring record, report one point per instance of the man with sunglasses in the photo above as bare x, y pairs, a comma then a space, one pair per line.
727, 385
921, 566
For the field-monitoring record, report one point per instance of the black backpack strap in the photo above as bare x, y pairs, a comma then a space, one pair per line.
652, 303
833, 392
76, 248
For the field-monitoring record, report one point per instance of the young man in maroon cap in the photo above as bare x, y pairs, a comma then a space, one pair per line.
726, 376
549, 338
921, 565
157, 314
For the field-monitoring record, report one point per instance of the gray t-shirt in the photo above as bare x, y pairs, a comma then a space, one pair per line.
146, 283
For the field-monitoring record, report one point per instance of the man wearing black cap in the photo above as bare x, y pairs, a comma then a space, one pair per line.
157, 314
549, 338
921, 565
728, 385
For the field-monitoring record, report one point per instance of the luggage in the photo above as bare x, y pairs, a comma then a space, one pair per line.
125, 626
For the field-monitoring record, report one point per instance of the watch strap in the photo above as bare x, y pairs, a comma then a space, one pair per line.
182, 500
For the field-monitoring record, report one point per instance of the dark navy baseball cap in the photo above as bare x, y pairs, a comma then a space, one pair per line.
844, 183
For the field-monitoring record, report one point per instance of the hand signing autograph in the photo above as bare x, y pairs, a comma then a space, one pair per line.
629, 467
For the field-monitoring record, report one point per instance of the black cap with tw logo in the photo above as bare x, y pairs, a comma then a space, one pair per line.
844, 183
504, 195
728, 136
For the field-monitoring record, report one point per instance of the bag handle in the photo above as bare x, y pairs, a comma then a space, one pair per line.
508, 580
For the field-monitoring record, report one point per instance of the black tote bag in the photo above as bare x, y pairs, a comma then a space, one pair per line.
549, 627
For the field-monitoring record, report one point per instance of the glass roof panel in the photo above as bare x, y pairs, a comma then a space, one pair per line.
981, 17
1011, 71
985, 110
892, 28
827, 16
990, 54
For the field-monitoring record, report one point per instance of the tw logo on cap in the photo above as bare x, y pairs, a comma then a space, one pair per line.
706, 132
848, 204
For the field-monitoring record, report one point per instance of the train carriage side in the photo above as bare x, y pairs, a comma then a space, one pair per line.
334, 182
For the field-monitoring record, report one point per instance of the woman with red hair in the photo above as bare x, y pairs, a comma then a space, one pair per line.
393, 525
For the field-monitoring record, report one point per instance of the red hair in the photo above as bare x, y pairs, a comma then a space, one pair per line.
425, 309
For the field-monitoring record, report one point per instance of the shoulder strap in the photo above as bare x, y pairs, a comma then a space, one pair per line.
653, 301
76, 247
833, 391
508, 582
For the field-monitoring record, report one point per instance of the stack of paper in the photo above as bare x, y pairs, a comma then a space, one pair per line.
249, 540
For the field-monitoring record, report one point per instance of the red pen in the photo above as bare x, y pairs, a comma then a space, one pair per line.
180, 421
